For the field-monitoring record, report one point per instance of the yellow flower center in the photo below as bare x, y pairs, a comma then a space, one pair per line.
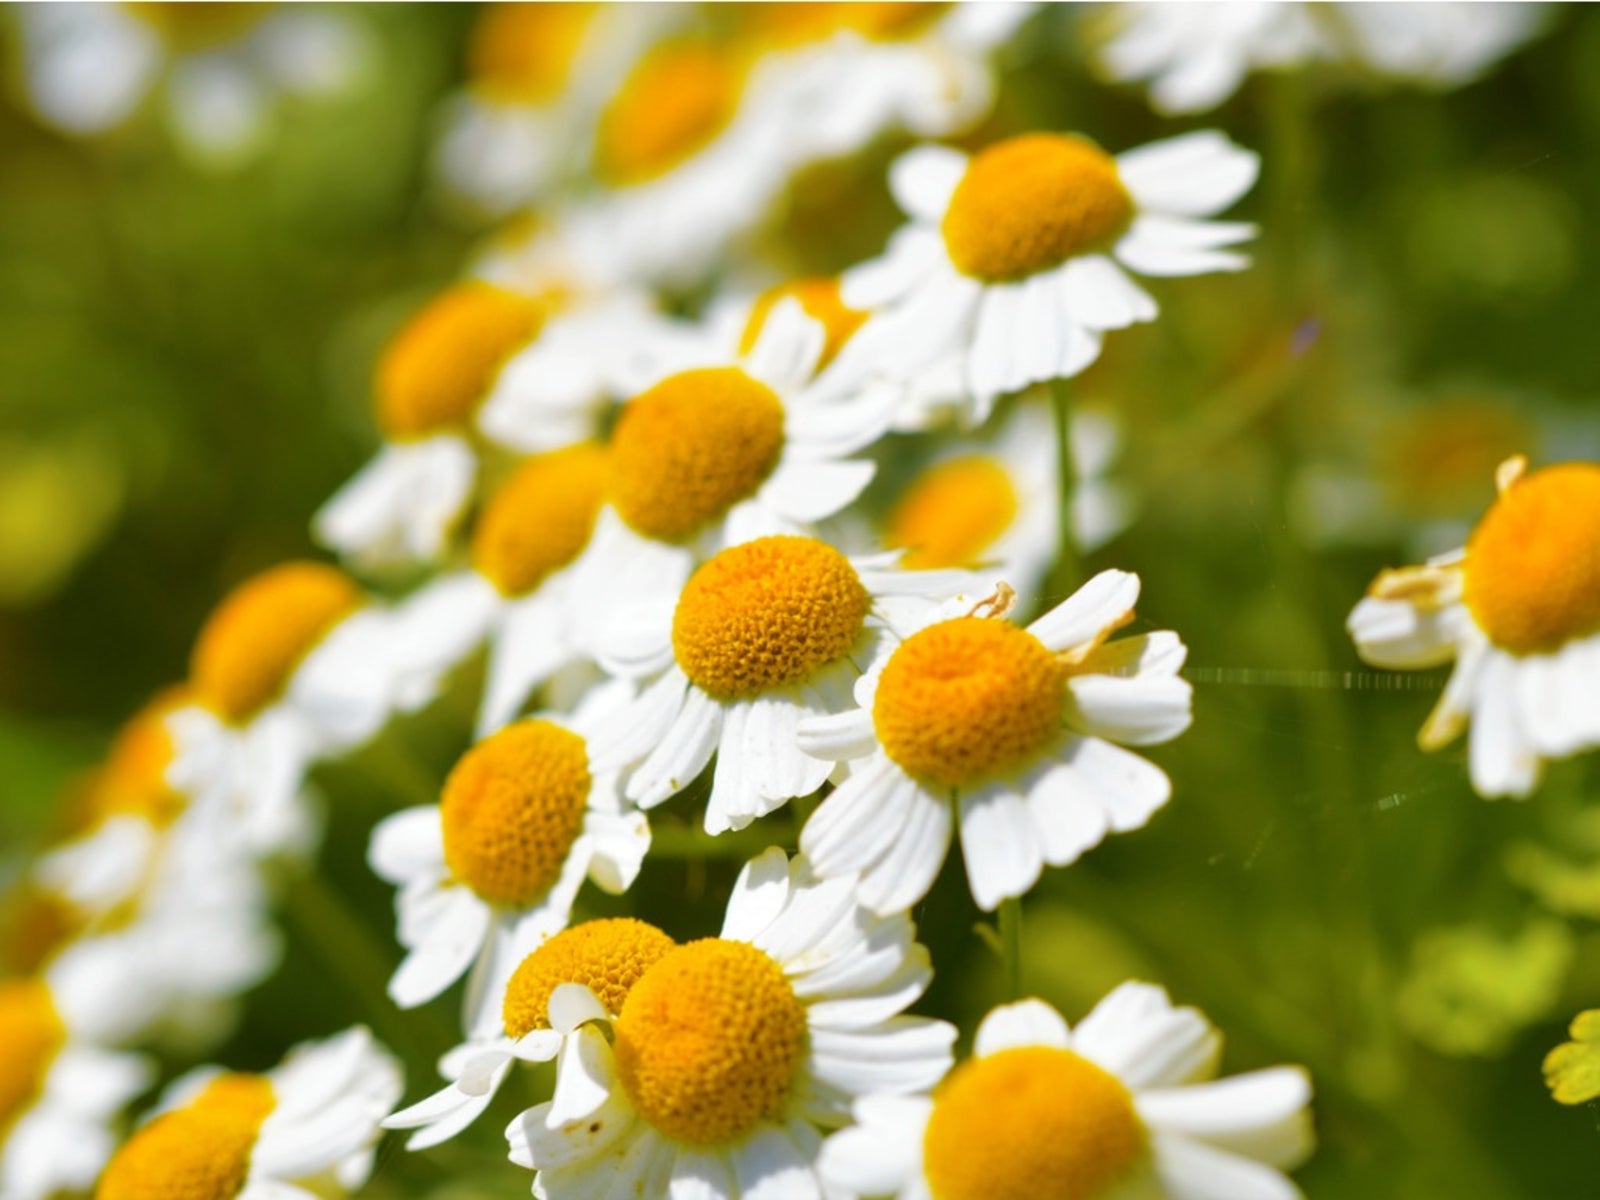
953, 512
540, 518
441, 364
1031, 202
967, 697
523, 53
1030, 1123
512, 808
133, 781
765, 614
691, 447
675, 101
709, 1041
30, 1035
34, 924
821, 300
198, 1152
252, 642
188, 27
607, 957
1533, 562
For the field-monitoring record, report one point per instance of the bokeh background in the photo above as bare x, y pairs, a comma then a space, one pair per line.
185, 357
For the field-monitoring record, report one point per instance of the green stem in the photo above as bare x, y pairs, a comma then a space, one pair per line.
692, 842
1011, 945
1068, 571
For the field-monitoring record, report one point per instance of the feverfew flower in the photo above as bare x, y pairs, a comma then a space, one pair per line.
1012, 729
436, 372
763, 635
607, 957
59, 1092
1018, 256
730, 1052
307, 1129
1518, 612
1123, 1106
492, 870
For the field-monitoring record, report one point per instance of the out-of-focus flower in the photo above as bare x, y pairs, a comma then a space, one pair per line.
729, 1052
1012, 728
492, 870
994, 502
607, 957
1572, 1069
1012, 267
1125, 1105
59, 1092
290, 666
222, 67
1194, 56
306, 1129
1518, 612
764, 634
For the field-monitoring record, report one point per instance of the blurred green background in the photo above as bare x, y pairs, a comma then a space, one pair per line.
184, 360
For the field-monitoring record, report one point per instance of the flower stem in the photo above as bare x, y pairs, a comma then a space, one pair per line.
1068, 570
1011, 944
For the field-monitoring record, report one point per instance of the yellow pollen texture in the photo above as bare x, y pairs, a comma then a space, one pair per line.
30, 1035
821, 300
198, 1152
512, 808
255, 638
765, 614
442, 363
522, 53
1030, 203
952, 513
967, 697
675, 102
607, 957
691, 447
540, 518
709, 1041
1030, 1123
1533, 562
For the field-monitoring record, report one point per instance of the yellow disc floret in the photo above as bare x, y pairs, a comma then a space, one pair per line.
540, 518
709, 1041
512, 808
1030, 1123
198, 1152
953, 512
1031, 202
691, 447
440, 366
31, 1033
255, 638
607, 957
523, 53
1533, 562
765, 614
676, 100
967, 697
821, 300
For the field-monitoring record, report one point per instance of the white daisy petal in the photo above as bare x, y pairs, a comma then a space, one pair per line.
1141, 711
684, 749
701, 1175
1025, 1023
923, 180
1099, 295
1193, 174
1193, 1171
1137, 1035
1099, 605
759, 895
1261, 1115
998, 845
445, 951
882, 1151
769, 1166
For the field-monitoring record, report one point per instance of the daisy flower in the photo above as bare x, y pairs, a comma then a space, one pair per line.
718, 454
1518, 612
304, 1130
1018, 255
59, 1092
994, 501
607, 957
730, 1052
292, 665
1012, 729
1194, 56
88, 67
436, 372
763, 635
1124, 1106
492, 870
